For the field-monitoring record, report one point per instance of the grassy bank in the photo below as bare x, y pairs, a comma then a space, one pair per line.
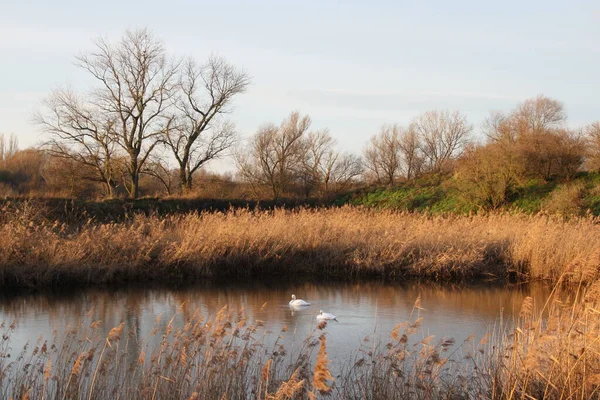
229, 356
340, 242
444, 194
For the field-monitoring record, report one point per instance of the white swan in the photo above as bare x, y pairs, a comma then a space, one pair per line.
298, 302
325, 315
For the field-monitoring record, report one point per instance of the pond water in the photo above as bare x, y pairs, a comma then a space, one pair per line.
363, 309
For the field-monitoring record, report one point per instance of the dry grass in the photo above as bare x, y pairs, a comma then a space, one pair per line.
341, 242
554, 355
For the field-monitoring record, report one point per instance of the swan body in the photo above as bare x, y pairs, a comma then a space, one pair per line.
298, 302
325, 315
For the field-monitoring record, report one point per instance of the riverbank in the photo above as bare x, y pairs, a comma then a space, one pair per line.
342, 242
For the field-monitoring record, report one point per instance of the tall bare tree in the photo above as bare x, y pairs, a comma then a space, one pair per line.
443, 136
137, 83
538, 115
200, 133
275, 156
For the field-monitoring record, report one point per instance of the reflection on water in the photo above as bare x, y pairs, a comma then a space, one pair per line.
363, 309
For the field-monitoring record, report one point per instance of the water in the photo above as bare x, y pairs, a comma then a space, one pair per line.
363, 309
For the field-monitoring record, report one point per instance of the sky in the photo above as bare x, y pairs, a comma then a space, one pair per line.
351, 65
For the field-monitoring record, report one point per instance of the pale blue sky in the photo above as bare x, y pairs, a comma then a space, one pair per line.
352, 65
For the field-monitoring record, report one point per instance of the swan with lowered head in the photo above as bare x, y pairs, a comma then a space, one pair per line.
325, 315
298, 302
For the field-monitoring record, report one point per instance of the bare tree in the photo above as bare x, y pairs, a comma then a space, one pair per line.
328, 169
8, 146
540, 114
571, 152
136, 85
339, 171
383, 155
66, 177
592, 135
534, 116
410, 149
82, 133
393, 153
443, 136
199, 134
276, 155
499, 128
159, 169
315, 144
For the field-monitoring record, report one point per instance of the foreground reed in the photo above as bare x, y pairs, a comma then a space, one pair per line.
229, 357
340, 242
552, 355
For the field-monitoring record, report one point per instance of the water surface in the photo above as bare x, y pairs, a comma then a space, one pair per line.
363, 308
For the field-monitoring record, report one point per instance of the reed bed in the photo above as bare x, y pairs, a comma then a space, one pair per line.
551, 355
554, 354
228, 357
216, 358
337, 242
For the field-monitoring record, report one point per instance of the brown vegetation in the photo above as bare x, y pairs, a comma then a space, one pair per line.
554, 354
341, 242
531, 142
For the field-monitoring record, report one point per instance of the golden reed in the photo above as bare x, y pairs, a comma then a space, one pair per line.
336, 242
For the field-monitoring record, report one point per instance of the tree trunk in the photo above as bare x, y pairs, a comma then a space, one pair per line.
135, 186
189, 183
185, 181
182, 180
109, 189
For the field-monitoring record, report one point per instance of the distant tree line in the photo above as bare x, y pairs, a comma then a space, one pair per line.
152, 123
291, 159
